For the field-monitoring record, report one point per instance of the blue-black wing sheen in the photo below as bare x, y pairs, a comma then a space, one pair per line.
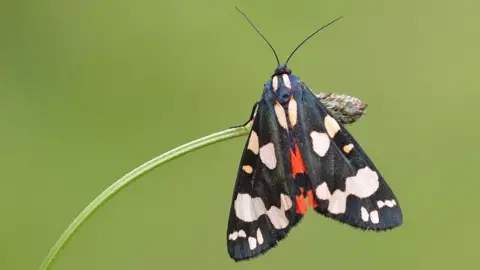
346, 184
263, 202
297, 151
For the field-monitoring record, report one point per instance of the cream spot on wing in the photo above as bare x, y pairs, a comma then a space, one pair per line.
338, 202
285, 201
374, 217
322, 191
390, 203
292, 111
320, 143
277, 215
252, 242
253, 142
275, 83
364, 213
259, 236
364, 184
247, 208
281, 117
286, 81
267, 155
347, 148
331, 125
380, 204
248, 169
233, 236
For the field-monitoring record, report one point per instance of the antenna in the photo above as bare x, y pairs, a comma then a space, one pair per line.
274, 52
305, 40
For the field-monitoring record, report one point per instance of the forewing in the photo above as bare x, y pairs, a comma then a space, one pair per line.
263, 205
347, 185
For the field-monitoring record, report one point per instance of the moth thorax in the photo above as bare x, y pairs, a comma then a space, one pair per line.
282, 87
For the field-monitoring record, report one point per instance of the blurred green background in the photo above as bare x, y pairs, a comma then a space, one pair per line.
91, 89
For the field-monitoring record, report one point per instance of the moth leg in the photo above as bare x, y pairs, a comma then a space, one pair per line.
252, 115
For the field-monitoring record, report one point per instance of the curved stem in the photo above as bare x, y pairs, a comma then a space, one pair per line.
345, 108
134, 175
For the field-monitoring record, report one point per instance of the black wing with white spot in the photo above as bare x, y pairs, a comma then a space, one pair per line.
295, 152
263, 203
347, 185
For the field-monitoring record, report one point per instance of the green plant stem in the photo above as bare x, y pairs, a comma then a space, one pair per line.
345, 108
134, 175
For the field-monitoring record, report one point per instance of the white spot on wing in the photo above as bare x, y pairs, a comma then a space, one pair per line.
380, 204
247, 208
281, 117
233, 236
275, 83
259, 236
364, 184
374, 217
253, 142
338, 202
286, 81
322, 191
267, 155
252, 242
331, 125
390, 203
285, 201
364, 213
320, 143
292, 111
277, 215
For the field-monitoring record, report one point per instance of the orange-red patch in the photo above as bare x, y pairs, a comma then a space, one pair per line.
311, 199
298, 166
302, 206
296, 160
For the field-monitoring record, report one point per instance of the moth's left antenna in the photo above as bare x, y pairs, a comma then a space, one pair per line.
274, 52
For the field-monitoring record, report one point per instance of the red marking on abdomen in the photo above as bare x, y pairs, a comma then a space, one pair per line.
302, 206
296, 161
298, 166
311, 199
301, 203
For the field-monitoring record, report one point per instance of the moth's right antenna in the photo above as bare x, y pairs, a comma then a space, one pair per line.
305, 40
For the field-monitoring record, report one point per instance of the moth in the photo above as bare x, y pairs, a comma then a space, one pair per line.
298, 156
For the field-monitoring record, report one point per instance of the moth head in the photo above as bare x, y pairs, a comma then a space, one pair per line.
280, 70
282, 83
